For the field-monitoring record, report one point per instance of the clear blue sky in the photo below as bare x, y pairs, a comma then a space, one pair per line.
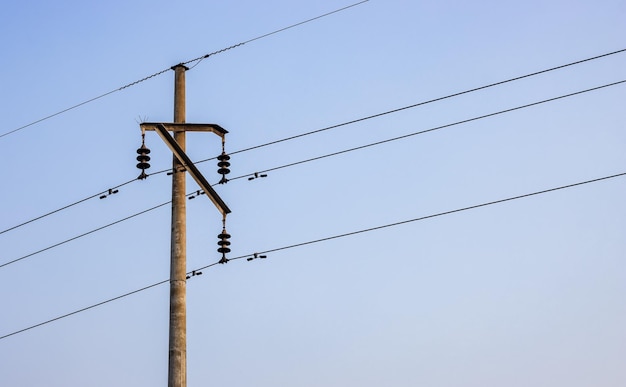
524, 293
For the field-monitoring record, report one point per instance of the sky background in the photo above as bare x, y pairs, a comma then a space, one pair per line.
524, 293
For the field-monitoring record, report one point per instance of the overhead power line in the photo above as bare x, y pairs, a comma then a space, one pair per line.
66, 207
432, 129
82, 235
200, 58
322, 157
334, 126
301, 244
169, 68
429, 101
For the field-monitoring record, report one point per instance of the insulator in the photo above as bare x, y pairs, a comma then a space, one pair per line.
143, 149
143, 157
223, 165
223, 242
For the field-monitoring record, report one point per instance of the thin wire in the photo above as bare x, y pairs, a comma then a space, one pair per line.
429, 101
84, 309
432, 129
82, 235
351, 122
66, 207
83, 103
439, 214
328, 239
321, 157
199, 59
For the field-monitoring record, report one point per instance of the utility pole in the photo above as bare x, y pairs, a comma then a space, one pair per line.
177, 368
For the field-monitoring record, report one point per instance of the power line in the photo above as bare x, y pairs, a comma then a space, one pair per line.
168, 69
436, 215
199, 59
337, 125
83, 234
301, 244
66, 207
429, 101
326, 156
433, 129
85, 309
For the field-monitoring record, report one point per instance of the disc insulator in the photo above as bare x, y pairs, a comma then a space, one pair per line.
143, 150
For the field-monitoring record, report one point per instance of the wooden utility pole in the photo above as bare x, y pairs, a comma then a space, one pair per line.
177, 369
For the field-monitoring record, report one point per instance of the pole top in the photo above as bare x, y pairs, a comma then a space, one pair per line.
179, 65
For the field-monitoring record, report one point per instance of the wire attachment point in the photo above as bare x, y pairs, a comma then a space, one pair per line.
111, 191
255, 256
143, 157
257, 175
223, 243
194, 273
223, 165
195, 195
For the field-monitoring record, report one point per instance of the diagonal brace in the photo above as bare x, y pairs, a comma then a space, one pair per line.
191, 168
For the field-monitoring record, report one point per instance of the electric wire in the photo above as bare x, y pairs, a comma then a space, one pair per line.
432, 129
84, 309
410, 106
434, 215
199, 59
338, 236
82, 235
83, 103
325, 156
65, 207
344, 123
426, 102
169, 68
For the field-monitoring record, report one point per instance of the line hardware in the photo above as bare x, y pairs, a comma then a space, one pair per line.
223, 242
194, 273
180, 169
195, 194
143, 158
109, 193
256, 256
223, 165
257, 175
